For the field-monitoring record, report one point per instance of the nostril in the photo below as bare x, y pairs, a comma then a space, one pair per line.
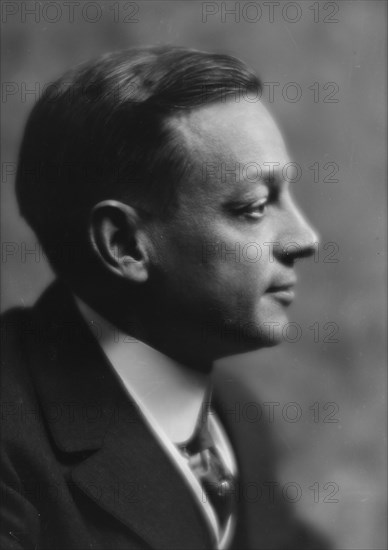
291, 252
289, 261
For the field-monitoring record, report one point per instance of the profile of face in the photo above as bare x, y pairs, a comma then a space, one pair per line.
224, 261
220, 270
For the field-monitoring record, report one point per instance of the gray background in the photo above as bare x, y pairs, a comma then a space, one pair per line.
351, 132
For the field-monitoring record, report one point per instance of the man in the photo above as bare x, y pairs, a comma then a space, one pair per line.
141, 173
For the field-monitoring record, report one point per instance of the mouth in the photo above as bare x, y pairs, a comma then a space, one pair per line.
283, 293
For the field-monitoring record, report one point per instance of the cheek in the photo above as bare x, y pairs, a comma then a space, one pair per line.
223, 276
215, 266
238, 263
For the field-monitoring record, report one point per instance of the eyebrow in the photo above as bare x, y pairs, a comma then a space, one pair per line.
273, 182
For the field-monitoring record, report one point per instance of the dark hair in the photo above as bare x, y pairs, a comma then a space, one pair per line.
99, 132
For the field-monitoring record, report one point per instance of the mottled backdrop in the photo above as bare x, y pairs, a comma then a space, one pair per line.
323, 65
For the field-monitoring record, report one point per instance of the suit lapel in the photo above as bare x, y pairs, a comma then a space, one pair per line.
87, 412
138, 484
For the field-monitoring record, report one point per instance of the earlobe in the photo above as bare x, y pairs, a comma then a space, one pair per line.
118, 241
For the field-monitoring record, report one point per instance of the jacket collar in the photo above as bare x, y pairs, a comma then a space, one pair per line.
122, 466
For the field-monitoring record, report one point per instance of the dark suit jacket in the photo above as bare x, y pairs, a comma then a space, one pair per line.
80, 468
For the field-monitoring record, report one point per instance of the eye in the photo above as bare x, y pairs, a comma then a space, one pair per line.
255, 210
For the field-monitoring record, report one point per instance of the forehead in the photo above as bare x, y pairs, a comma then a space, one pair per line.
230, 144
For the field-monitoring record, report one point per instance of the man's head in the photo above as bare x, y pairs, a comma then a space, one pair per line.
163, 168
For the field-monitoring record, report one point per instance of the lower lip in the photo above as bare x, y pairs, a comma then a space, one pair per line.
284, 296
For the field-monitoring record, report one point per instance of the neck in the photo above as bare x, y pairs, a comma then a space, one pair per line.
137, 318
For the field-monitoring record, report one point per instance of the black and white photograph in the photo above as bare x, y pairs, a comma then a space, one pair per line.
193, 275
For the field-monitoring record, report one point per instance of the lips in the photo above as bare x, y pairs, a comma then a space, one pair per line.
283, 293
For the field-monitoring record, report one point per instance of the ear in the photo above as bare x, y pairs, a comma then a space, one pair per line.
118, 241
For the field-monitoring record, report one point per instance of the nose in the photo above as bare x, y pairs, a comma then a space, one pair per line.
299, 239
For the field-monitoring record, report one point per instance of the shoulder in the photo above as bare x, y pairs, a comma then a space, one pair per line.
19, 518
17, 327
20, 408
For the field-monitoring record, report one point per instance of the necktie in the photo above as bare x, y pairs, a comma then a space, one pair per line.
208, 466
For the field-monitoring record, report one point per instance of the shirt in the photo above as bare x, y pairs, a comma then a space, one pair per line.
171, 397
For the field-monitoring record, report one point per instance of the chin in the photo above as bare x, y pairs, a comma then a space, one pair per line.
251, 335
260, 327
265, 331
269, 337
246, 345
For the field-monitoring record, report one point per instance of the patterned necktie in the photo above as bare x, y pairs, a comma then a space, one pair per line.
207, 465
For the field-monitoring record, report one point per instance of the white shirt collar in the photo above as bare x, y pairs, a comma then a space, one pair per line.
168, 393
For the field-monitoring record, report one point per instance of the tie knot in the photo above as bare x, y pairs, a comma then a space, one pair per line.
208, 466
